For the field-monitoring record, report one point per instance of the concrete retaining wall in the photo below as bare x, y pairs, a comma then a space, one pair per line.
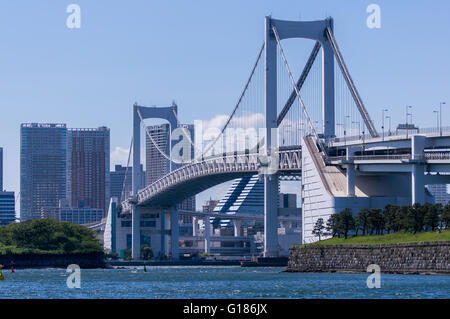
37, 260
425, 257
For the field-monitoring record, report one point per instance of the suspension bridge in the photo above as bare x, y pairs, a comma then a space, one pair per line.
315, 128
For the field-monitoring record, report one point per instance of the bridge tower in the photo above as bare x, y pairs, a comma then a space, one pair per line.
166, 113
315, 30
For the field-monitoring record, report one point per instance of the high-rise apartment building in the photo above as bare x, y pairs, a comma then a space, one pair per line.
43, 158
88, 154
157, 165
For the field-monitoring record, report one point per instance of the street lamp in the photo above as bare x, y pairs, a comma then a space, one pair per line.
440, 118
345, 140
437, 120
407, 129
389, 117
359, 127
382, 120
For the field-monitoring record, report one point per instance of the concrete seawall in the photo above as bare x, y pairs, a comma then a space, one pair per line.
94, 260
404, 258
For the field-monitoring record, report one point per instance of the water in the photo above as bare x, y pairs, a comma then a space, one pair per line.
215, 282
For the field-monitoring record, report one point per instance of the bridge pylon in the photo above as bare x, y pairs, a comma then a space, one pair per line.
142, 112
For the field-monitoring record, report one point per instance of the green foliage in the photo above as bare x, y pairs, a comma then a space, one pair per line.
414, 219
127, 254
146, 252
319, 228
361, 221
203, 255
48, 236
392, 238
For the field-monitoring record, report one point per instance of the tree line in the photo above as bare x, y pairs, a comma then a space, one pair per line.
392, 218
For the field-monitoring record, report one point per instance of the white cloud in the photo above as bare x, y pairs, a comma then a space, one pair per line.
119, 156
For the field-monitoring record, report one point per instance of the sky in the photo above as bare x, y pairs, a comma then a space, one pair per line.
199, 54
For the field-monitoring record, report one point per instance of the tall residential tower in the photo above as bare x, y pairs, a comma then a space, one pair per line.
88, 167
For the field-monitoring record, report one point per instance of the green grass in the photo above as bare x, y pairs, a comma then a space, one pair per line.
398, 237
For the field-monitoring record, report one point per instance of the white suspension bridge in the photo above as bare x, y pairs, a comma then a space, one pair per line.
305, 125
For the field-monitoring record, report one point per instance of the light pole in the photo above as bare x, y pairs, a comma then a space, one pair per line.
440, 118
343, 125
389, 117
407, 129
382, 120
359, 127
437, 119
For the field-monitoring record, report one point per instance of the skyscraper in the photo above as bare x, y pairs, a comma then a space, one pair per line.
157, 165
43, 156
117, 178
88, 167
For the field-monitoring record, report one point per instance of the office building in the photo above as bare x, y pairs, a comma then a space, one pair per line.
209, 205
288, 200
79, 214
120, 175
440, 193
7, 208
43, 174
1, 169
88, 154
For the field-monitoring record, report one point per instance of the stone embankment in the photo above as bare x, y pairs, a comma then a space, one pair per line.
403, 258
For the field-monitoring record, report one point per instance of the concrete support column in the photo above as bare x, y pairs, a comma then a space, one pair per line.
194, 226
237, 227
166, 236
350, 173
270, 180
135, 220
328, 88
175, 233
418, 169
207, 234
270, 216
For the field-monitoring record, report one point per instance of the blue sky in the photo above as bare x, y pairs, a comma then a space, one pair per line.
199, 53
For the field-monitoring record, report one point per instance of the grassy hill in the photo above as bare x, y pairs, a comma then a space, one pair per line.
398, 237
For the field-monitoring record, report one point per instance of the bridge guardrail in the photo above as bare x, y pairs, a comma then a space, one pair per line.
430, 131
427, 156
289, 160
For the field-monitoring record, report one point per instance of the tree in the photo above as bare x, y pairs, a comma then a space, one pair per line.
389, 215
146, 252
361, 221
432, 216
346, 222
416, 216
50, 235
332, 225
375, 221
445, 216
401, 220
319, 228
